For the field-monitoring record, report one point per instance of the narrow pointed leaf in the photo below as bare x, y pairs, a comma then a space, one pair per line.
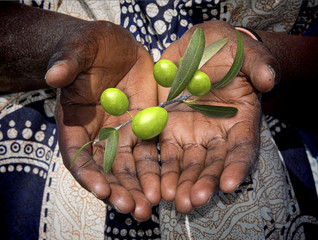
236, 66
110, 149
214, 111
189, 64
78, 152
211, 50
90, 159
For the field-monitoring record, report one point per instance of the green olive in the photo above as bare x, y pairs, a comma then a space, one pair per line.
149, 122
164, 72
200, 84
114, 101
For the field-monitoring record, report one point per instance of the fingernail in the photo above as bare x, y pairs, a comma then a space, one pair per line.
95, 195
111, 205
55, 58
58, 63
116, 208
272, 71
55, 64
211, 196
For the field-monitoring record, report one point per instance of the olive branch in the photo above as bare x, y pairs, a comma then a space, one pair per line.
195, 57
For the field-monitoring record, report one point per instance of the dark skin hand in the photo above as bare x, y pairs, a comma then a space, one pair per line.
84, 66
84, 58
201, 154
204, 154
88, 60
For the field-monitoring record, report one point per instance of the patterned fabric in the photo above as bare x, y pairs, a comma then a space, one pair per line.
263, 207
299, 163
306, 23
311, 142
41, 200
124, 226
28, 140
157, 23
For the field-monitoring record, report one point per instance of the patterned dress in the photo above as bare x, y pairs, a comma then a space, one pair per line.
39, 199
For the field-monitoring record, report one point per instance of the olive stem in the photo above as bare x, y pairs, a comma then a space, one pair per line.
122, 125
190, 101
179, 99
182, 98
129, 114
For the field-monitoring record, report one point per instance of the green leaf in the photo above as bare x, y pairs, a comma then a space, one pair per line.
78, 152
189, 64
214, 111
236, 66
111, 136
211, 50
104, 133
90, 159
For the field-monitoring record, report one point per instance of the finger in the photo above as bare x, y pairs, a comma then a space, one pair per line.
171, 155
125, 171
209, 179
261, 67
146, 156
120, 198
63, 69
62, 74
91, 176
263, 75
71, 139
193, 164
243, 148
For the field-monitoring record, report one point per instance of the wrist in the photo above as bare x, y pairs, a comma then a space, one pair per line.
251, 33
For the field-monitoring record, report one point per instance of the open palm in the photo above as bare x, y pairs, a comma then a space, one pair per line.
100, 56
200, 154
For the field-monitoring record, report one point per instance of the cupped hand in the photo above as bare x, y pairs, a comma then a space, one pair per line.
200, 154
98, 56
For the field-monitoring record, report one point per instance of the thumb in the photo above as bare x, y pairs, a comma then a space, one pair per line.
63, 69
264, 76
263, 70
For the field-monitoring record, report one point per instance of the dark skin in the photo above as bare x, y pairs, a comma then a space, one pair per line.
294, 98
83, 59
22, 24
200, 155
127, 185
217, 154
214, 153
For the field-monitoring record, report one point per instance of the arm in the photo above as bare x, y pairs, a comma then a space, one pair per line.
84, 59
294, 98
28, 38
